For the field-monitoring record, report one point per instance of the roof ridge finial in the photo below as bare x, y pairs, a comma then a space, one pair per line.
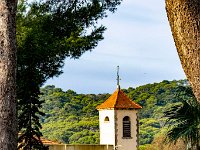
118, 85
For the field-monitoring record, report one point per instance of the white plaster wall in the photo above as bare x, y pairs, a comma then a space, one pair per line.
126, 144
107, 129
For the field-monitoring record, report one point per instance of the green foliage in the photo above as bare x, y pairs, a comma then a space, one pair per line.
70, 117
48, 31
155, 99
148, 128
183, 119
73, 118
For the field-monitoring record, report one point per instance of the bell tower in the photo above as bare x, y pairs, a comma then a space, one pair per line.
118, 120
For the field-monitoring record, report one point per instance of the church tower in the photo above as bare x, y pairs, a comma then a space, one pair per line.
118, 121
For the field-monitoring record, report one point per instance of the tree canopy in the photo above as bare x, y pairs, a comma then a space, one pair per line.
184, 120
48, 31
73, 118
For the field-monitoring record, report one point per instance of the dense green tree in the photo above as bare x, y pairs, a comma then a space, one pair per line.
149, 127
73, 117
184, 120
48, 31
70, 115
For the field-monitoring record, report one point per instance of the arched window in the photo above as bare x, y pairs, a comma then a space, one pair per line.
106, 119
126, 126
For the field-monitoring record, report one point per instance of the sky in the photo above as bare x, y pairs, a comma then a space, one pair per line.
138, 39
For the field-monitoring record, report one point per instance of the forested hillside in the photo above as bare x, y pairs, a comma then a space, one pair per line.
73, 118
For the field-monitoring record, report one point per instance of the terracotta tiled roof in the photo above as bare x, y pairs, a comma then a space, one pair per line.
45, 141
119, 100
48, 142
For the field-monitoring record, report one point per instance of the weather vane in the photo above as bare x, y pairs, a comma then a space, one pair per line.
118, 85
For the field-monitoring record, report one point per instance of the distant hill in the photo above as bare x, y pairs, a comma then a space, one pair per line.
72, 118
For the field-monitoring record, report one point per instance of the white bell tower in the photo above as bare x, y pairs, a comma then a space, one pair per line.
118, 121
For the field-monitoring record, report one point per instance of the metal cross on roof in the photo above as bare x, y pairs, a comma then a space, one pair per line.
118, 85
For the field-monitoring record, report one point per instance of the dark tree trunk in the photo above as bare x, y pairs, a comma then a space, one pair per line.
184, 19
8, 122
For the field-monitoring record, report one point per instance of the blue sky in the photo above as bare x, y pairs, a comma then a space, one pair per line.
138, 39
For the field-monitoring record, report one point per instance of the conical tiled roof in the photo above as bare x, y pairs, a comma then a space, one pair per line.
119, 100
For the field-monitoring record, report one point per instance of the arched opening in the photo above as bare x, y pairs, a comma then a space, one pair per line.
106, 119
126, 126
